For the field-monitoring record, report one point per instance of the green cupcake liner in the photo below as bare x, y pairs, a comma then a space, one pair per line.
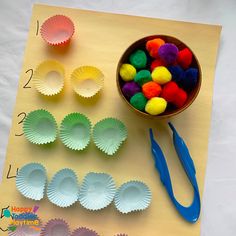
40, 127
109, 134
75, 131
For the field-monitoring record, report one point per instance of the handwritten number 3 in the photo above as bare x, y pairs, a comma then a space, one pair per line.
22, 115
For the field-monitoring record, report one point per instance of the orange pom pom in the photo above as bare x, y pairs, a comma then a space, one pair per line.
151, 89
153, 45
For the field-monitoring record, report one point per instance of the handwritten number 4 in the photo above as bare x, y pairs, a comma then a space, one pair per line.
9, 171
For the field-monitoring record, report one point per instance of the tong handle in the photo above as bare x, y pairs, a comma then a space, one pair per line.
191, 213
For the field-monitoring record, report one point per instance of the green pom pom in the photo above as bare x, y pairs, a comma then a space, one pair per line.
142, 77
139, 101
138, 59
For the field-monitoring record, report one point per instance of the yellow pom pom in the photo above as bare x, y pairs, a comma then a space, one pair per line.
161, 75
127, 72
156, 106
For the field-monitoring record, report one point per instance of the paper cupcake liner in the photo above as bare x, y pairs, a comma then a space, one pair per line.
75, 131
31, 181
97, 191
109, 134
121, 235
40, 127
25, 230
132, 196
57, 30
87, 81
82, 231
63, 190
55, 227
48, 77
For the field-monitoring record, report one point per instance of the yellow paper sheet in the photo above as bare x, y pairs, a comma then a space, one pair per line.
99, 40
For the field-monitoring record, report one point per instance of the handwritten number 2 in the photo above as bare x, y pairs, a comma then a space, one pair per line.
30, 71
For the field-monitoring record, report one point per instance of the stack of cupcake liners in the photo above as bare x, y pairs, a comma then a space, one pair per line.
63, 190
109, 134
83, 231
55, 227
132, 196
40, 127
97, 191
31, 181
48, 77
59, 227
57, 30
75, 131
87, 81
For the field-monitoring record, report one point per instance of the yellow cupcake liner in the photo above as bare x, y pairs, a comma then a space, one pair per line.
87, 81
49, 77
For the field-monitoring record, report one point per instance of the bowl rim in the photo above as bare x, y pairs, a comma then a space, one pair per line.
160, 116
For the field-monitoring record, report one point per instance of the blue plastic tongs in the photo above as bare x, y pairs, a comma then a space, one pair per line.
190, 213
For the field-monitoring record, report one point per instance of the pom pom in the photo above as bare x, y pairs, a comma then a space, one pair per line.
190, 79
184, 58
151, 89
139, 101
156, 63
161, 75
168, 52
130, 88
127, 72
170, 91
138, 59
142, 77
180, 98
153, 45
156, 106
177, 74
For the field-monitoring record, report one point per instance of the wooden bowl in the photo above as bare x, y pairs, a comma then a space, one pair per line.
140, 44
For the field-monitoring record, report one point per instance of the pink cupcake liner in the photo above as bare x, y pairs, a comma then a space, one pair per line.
55, 227
82, 231
57, 30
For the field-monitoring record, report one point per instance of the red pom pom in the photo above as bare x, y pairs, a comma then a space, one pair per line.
184, 58
170, 91
156, 63
180, 98
151, 89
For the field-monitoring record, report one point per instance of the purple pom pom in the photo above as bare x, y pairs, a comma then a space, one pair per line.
168, 52
130, 88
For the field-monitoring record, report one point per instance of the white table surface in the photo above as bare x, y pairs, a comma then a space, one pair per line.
219, 200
